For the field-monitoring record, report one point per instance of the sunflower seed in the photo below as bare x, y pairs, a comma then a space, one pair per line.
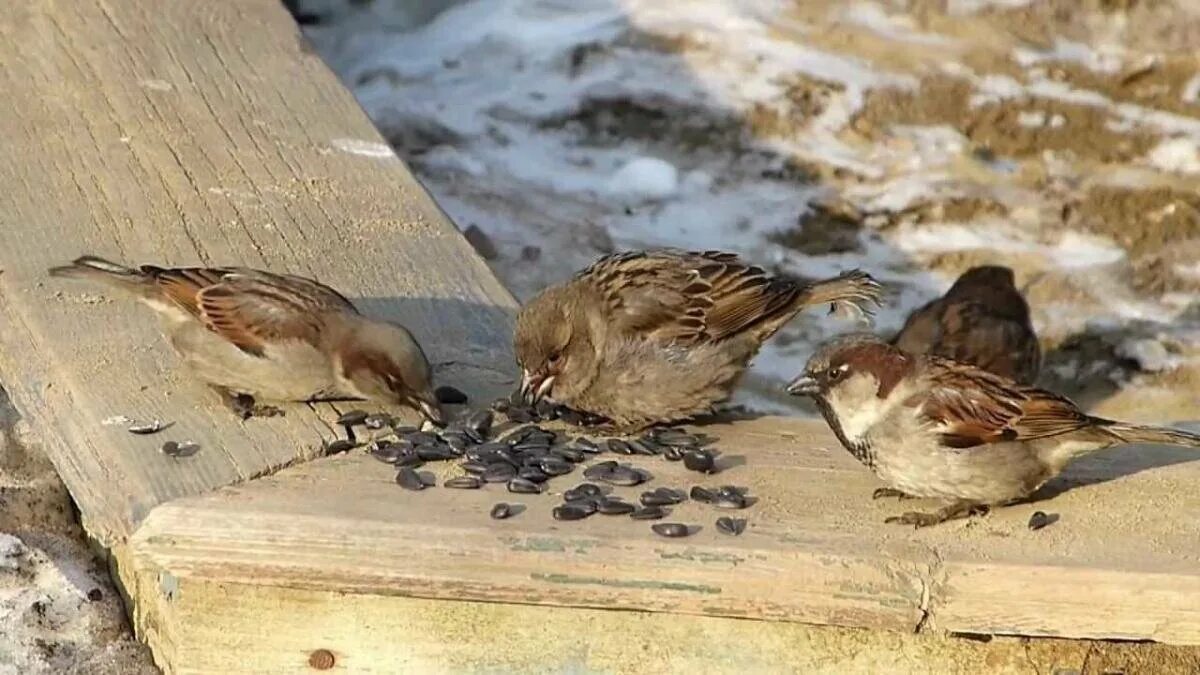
377, 421
480, 421
339, 446
673, 454
450, 395
525, 487
1041, 519
151, 428
386, 451
586, 445
546, 410
671, 529
662, 496
583, 491
463, 483
532, 474
419, 438
731, 526
520, 413
500, 472
700, 460
409, 479
599, 469
556, 467
572, 417
625, 476
402, 430
409, 459
702, 494
568, 453
730, 501
436, 453
175, 449
619, 446
352, 418
501, 511
643, 447
676, 438
474, 467
570, 512
649, 513
614, 506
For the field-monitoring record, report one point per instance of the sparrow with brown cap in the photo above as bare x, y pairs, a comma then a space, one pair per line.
254, 335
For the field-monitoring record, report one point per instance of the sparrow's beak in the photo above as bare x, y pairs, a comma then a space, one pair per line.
432, 411
803, 386
535, 387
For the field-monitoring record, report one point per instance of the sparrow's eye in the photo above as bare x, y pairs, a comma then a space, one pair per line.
836, 372
554, 358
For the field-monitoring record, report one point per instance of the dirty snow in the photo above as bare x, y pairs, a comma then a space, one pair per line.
586, 125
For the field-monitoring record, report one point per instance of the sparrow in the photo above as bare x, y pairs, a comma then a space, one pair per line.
647, 337
251, 334
982, 320
934, 428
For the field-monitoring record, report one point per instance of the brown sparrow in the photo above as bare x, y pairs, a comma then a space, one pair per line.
981, 320
935, 428
654, 336
253, 334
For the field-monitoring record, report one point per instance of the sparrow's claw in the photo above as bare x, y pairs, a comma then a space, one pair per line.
955, 510
882, 492
245, 407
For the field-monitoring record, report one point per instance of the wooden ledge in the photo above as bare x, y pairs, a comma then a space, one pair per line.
1119, 563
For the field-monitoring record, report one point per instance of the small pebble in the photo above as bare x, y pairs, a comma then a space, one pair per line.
731, 526
671, 529
449, 395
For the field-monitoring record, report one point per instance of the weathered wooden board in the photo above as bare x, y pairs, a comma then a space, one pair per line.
195, 132
816, 550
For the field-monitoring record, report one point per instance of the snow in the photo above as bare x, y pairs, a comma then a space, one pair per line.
1101, 58
645, 178
1179, 155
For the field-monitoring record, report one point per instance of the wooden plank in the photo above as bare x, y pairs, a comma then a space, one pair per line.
364, 633
184, 132
817, 550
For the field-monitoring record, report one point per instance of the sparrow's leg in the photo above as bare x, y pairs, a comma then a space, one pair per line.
882, 492
957, 509
244, 405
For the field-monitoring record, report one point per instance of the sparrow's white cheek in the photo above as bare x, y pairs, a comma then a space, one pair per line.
857, 407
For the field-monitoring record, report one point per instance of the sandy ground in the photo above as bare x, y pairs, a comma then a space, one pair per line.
912, 139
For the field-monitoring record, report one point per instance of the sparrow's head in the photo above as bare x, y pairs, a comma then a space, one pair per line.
984, 277
382, 361
553, 344
853, 370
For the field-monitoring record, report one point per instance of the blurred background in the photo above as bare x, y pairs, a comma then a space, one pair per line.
914, 139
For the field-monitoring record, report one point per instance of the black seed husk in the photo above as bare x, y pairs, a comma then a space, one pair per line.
699, 460
1041, 519
146, 429
409, 479
599, 469
480, 421
339, 446
463, 483
731, 526
702, 494
177, 450
352, 418
533, 474
649, 513
501, 511
612, 506
583, 491
570, 512
500, 472
377, 421
524, 487
671, 529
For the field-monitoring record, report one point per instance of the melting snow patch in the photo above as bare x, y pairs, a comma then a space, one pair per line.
1180, 155
646, 178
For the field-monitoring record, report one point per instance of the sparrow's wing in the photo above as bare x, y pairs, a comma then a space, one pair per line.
922, 330
1001, 345
688, 297
249, 307
972, 407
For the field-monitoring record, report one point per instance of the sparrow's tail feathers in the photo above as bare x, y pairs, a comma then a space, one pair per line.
99, 269
1132, 433
854, 292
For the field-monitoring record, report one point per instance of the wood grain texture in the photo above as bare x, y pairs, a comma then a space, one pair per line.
182, 133
816, 551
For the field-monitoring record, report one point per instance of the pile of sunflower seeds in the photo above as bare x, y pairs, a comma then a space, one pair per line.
525, 458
